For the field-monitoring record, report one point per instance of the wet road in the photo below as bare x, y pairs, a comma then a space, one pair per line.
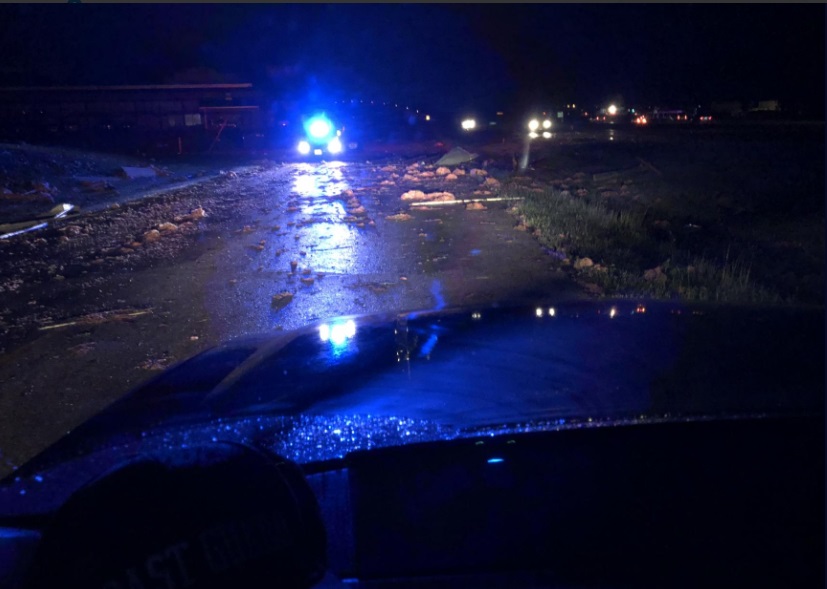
363, 264
313, 235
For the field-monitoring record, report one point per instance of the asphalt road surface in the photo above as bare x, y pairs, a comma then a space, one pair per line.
101, 302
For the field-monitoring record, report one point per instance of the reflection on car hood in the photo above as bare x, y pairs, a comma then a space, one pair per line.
366, 382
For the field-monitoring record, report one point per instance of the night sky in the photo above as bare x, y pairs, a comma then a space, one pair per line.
432, 56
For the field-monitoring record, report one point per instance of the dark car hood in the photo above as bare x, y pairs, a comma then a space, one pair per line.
365, 382
480, 367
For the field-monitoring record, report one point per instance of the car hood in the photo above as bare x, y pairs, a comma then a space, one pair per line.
358, 383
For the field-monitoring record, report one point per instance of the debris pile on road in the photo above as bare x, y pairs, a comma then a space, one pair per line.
152, 235
36, 192
582, 263
413, 195
195, 215
418, 196
282, 299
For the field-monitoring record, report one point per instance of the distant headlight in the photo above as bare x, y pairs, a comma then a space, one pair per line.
469, 124
546, 135
319, 128
334, 146
546, 124
533, 135
533, 125
304, 147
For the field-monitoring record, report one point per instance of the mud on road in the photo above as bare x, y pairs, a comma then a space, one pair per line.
96, 304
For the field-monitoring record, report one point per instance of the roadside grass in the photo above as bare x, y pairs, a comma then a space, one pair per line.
628, 258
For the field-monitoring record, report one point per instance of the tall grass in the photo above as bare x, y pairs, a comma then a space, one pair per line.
620, 243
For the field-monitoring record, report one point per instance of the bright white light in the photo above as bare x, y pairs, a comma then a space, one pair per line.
335, 146
612, 312
551, 311
317, 152
538, 311
612, 109
350, 328
338, 334
304, 147
533, 135
469, 124
546, 135
546, 124
319, 128
533, 125
427, 117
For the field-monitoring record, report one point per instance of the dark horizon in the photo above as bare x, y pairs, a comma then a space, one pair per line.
433, 56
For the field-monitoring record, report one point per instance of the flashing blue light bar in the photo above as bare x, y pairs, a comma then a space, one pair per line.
319, 127
495, 460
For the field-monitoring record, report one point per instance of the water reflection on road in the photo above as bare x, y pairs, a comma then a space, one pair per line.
323, 180
320, 189
315, 233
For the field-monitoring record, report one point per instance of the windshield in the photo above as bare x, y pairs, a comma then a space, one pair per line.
352, 227
149, 213
168, 220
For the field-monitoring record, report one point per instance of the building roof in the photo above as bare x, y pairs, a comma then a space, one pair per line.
129, 87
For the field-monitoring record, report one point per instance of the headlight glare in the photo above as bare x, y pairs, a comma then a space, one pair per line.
335, 146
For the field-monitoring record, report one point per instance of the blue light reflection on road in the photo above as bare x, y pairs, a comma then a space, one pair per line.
324, 226
320, 180
428, 346
436, 290
305, 241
